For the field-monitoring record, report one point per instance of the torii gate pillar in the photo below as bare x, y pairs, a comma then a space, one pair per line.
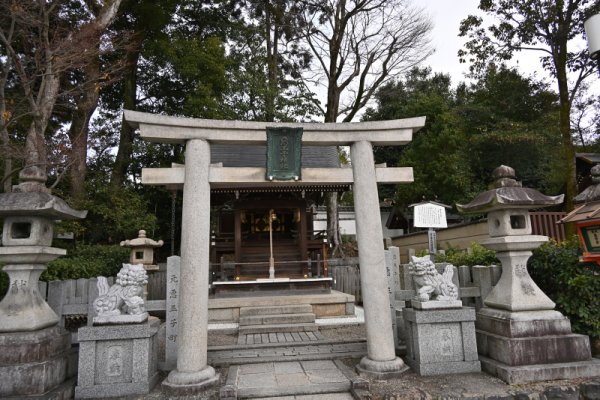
381, 361
193, 373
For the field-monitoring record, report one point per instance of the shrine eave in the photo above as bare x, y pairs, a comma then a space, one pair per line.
254, 177
168, 129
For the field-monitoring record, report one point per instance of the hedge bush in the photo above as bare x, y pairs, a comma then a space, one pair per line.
87, 261
479, 255
572, 285
82, 261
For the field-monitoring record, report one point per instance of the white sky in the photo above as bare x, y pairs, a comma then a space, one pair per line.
446, 16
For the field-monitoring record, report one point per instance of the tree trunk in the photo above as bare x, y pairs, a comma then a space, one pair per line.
6, 176
333, 224
79, 131
560, 62
119, 172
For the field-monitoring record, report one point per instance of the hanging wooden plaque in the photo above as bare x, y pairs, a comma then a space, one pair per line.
284, 153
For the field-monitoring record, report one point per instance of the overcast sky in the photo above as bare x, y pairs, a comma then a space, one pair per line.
446, 16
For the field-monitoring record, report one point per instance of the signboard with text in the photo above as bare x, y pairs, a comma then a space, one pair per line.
428, 215
284, 153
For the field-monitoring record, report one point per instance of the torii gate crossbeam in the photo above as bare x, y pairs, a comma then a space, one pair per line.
198, 176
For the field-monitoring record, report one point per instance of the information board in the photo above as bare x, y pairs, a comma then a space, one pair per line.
429, 215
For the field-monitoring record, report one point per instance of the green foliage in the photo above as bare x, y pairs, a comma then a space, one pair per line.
572, 285
87, 261
114, 215
479, 255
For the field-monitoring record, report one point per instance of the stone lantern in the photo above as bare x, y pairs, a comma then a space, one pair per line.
520, 337
142, 250
26, 248
34, 350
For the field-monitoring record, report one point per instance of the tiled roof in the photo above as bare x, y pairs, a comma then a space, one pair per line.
256, 156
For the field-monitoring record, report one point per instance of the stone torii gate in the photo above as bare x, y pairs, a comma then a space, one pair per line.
198, 176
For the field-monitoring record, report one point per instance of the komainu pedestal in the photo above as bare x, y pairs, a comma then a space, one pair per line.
441, 341
117, 360
440, 331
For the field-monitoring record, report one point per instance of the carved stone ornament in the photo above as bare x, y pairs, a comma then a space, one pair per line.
429, 283
122, 303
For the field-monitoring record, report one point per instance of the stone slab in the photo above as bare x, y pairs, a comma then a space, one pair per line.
277, 319
287, 378
275, 310
110, 332
523, 323
120, 319
273, 328
540, 372
436, 304
534, 350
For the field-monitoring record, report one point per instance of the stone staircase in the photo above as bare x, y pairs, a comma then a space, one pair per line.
278, 319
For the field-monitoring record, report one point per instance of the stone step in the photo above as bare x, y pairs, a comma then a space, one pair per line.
272, 319
275, 328
276, 310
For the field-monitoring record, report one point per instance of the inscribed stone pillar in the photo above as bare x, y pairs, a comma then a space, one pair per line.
192, 371
381, 360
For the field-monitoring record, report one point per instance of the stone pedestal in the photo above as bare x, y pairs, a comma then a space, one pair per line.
441, 341
117, 360
35, 365
530, 346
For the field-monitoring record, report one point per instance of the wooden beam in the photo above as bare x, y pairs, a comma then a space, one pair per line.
166, 129
228, 177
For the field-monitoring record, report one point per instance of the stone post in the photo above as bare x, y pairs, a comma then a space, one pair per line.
193, 373
381, 361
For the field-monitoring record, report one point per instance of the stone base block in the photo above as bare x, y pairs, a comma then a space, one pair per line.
33, 363
189, 384
381, 370
441, 341
120, 319
443, 368
530, 346
523, 323
540, 372
436, 304
117, 360
534, 350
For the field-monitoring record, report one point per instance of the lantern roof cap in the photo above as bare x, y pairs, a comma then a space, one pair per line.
592, 192
37, 204
142, 241
507, 194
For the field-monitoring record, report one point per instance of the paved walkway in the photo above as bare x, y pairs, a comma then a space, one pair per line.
295, 378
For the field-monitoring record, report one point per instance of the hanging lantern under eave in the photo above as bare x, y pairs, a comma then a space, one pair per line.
586, 218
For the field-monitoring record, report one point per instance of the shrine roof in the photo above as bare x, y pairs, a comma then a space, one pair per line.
237, 155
